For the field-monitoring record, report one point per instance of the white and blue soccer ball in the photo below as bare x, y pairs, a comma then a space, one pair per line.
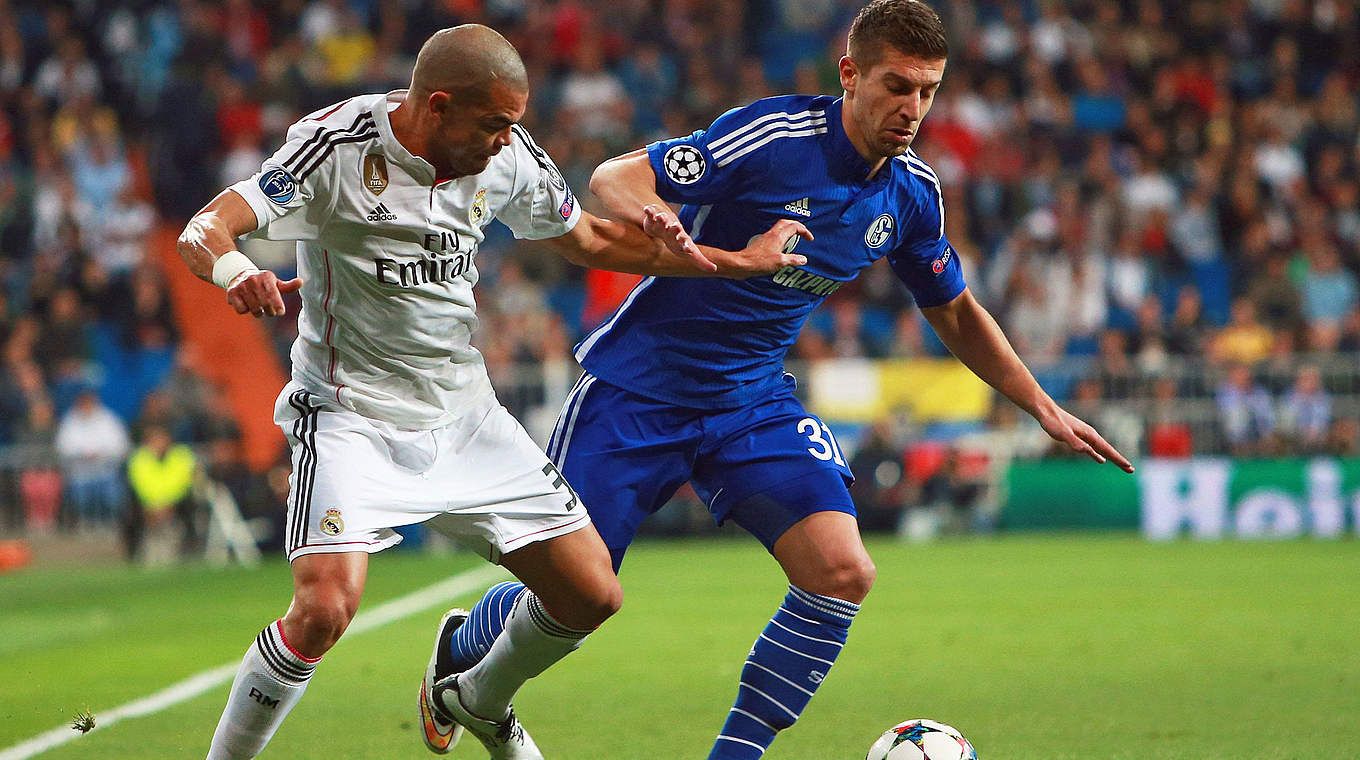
921, 739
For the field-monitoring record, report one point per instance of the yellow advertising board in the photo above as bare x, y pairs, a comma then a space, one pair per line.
930, 390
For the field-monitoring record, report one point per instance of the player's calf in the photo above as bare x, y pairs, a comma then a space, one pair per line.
272, 678
788, 661
279, 664
326, 593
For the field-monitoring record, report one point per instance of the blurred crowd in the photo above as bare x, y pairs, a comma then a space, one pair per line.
1160, 200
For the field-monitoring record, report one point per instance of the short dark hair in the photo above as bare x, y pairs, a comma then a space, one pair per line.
909, 26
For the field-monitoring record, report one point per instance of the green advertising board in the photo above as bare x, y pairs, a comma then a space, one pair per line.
1201, 497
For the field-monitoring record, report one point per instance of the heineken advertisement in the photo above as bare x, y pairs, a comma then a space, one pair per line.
1203, 498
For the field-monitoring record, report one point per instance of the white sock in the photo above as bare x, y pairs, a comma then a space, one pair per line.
532, 641
271, 680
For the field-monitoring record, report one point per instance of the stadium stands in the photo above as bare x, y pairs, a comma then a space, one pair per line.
1160, 200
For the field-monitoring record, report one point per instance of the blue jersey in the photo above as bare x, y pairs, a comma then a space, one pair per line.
712, 343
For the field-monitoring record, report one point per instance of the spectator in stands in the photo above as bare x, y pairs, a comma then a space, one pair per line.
161, 519
120, 234
1244, 340
1306, 412
879, 488
63, 344
1185, 333
68, 74
594, 104
1329, 292
1129, 278
1276, 298
1344, 438
1246, 412
1167, 433
91, 443
956, 489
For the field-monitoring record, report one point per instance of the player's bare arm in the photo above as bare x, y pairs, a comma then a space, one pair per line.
627, 187
605, 244
208, 244
976, 339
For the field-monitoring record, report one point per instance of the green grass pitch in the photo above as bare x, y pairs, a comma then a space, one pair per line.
1086, 647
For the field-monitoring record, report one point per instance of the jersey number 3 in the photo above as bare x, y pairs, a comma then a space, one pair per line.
560, 483
826, 450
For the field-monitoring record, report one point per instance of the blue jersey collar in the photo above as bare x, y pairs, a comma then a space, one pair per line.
845, 162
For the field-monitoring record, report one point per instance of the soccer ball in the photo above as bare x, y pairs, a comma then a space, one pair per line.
921, 739
684, 164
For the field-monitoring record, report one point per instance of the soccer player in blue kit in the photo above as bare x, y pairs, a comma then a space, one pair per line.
685, 381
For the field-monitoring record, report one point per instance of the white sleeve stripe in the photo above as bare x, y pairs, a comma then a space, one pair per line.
920, 163
735, 134
769, 138
746, 139
929, 177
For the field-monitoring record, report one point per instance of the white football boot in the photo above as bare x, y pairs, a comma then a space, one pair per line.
440, 731
504, 740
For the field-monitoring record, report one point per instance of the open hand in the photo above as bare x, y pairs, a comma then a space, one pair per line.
773, 250
1063, 426
662, 223
260, 293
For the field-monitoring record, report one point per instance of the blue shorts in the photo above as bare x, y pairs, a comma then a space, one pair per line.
765, 465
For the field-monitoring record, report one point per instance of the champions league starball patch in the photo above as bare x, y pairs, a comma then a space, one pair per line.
684, 164
278, 185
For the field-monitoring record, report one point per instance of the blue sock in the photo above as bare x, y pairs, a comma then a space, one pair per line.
470, 643
787, 664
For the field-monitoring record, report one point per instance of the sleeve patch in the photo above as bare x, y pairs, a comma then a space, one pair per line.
684, 164
937, 266
278, 185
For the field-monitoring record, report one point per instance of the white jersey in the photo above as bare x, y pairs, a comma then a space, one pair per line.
387, 257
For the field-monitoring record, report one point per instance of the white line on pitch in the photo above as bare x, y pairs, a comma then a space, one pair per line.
199, 683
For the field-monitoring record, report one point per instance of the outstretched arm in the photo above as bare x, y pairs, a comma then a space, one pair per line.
603, 244
976, 339
208, 247
627, 187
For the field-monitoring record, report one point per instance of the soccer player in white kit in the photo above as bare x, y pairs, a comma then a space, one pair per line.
390, 414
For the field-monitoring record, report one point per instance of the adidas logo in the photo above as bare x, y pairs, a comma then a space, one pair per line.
381, 213
799, 207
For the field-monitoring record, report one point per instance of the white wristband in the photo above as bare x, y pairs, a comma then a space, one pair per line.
229, 266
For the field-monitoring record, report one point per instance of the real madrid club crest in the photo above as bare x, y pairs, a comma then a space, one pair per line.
478, 212
375, 173
879, 231
331, 524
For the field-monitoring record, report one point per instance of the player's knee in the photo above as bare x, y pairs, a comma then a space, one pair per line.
850, 579
601, 602
321, 617
592, 604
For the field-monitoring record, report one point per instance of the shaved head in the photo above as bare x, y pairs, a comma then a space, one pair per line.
466, 62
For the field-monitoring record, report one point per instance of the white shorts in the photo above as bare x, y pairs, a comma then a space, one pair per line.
481, 480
